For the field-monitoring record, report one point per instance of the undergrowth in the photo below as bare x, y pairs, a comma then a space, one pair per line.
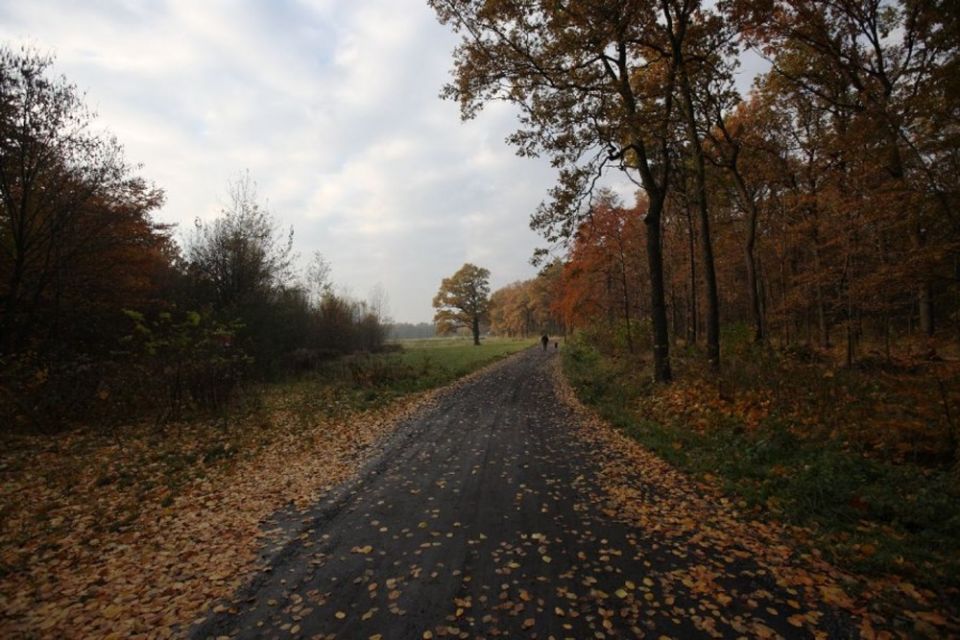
863, 460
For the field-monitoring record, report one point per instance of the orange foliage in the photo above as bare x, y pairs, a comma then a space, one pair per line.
604, 276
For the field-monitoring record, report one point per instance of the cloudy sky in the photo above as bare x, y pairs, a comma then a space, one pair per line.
331, 105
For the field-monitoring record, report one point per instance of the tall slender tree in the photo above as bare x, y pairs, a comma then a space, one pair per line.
596, 86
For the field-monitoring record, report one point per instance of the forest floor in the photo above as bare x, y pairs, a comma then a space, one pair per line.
860, 463
138, 530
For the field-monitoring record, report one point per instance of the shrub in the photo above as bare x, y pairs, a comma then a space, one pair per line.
174, 364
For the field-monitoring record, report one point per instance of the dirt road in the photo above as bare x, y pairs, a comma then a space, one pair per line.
485, 517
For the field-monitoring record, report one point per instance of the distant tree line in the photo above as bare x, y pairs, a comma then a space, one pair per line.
409, 330
102, 313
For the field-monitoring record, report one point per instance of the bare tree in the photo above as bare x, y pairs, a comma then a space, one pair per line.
243, 255
318, 283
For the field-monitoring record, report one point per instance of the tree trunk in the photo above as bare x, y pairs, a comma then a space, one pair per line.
626, 299
476, 330
956, 284
675, 314
851, 333
8, 322
925, 303
692, 246
656, 192
706, 244
609, 288
709, 273
658, 308
851, 325
822, 325
924, 289
784, 318
753, 286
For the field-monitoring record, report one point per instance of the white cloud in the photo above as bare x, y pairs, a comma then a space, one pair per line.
333, 108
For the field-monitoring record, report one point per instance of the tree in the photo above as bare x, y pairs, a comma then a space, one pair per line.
739, 151
242, 256
463, 300
77, 243
596, 83
878, 69
603, 272
318, 283
700, 49
528, 307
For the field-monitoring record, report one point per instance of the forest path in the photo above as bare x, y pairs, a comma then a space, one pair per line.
488, 515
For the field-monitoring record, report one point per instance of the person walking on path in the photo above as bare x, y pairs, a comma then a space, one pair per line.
545, 340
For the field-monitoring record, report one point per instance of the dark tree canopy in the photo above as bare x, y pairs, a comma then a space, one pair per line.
76, 238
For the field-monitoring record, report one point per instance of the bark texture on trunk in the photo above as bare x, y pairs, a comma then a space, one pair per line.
658, 307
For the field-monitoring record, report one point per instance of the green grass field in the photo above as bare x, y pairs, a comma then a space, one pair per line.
363, 381
441, 360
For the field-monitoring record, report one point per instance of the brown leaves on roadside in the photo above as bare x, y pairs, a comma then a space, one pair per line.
97, 538
689, 515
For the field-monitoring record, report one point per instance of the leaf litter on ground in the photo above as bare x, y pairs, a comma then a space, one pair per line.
114, 537
694, 514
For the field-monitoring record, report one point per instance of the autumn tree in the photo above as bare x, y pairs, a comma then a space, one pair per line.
827, 195
77, 242
463, 300
528, 307
596, 84
603, 276
511, 311
877, 69
736, 145
702, 50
